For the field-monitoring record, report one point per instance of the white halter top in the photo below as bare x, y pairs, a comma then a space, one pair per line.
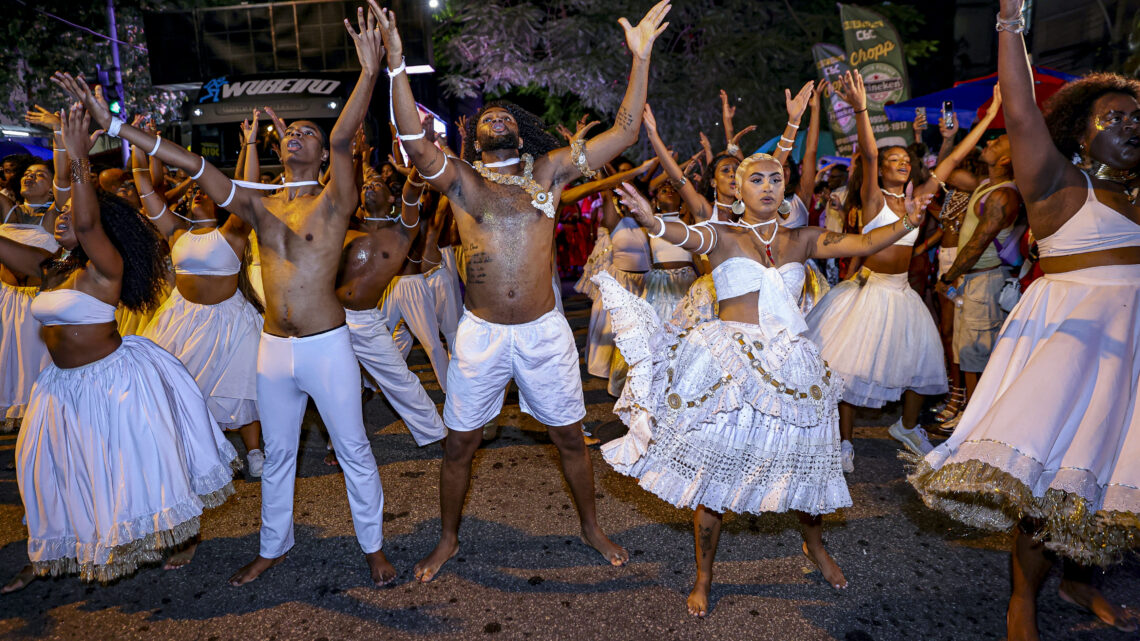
204, 255
70, 307
888, 217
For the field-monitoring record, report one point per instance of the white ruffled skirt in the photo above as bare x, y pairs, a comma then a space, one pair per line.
600, 259
116, 461
881, 338
664, 288
218, 345
22, 352
601, 357
1052, 431
697, 305
721, 417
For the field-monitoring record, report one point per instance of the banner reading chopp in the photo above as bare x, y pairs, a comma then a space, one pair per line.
874, 48
831, 62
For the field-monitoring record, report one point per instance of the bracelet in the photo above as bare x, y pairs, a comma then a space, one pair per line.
859, 111
410, 136
413, 225
159, 214
906, 224
416, 184
578, 156
229, 199
157, 143
149, 193
793, 126
392, 73
790, 140
438, 173
58, 188
138, 170
783, 148
1016, 25
686, 238
63, 149
81, 171
415, 204
250, 142
660, 233
680, 182
732, 149
58, 132
113, 128
201, 169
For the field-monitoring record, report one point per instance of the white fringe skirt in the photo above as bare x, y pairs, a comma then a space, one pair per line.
721, 417
664, 288
115, 462
22, 352
218, 345
881, 338
1052, 431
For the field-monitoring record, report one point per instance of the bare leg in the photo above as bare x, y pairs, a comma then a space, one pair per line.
706, 536
25, 576
578, 470
252, 570
815, 551
251, 436
971, 383
1077, 588
912, 405
1029, 568
454, 478
382, 571
846, 421
183, 554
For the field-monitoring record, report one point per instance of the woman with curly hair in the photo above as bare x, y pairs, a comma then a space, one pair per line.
118, 454
1048, 443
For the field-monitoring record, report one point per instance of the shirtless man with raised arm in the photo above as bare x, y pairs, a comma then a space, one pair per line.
510, 329
305, 347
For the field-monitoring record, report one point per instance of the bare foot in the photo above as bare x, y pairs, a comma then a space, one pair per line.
1086, 596
429, 566
1021, 619
590, 440
382, 570
826, 565
182, 557
330, 459
614, 553
254, 570
698, 601
25, 576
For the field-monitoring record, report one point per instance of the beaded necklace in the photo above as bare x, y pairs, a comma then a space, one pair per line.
541, 199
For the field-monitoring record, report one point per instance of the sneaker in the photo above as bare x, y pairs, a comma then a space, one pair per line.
256, 461
847, 451
914, 439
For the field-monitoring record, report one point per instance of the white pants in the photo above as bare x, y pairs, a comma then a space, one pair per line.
372, 343
322, 366
443, 284
411, 299
540, 356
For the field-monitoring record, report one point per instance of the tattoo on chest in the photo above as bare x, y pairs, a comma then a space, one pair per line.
477, 267
624, 119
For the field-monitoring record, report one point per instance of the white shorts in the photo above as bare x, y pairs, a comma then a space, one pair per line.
540, 355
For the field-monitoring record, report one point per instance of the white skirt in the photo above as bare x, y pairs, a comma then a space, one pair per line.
1052, 431
116, 460
600, 259
664, 288
697, 306
22, 352
218, 345
880, 338
721, 417
601, 357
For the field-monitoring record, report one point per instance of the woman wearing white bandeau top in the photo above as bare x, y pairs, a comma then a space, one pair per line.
1049, 443
672, 270
738, 413
212, 319
876, 331
118, 454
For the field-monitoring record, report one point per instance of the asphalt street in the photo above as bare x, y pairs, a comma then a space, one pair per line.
523, 573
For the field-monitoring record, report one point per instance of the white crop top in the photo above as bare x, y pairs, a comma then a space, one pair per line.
888, 217
630, 246
778, 289
666, 252
70, 307
204, 255
1094, 227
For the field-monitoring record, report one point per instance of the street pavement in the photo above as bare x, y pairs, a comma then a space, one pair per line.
523, 573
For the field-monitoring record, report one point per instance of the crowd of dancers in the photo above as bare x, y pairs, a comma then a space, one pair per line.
743, 308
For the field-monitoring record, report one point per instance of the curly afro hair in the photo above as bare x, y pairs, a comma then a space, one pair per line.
141, 246
1067, 112
532, 131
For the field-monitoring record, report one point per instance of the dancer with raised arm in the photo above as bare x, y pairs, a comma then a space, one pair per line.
305, 349
738, 413
505, 207
1048, 444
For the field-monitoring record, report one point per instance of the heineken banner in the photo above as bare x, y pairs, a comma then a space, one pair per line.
831, 61
874, 48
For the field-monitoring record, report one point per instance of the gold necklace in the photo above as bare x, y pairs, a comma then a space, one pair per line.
1123, 177
541, 199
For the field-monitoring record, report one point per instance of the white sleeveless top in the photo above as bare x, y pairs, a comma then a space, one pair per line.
70, 307
778, 288
1094, 227
888, 217
204, 255
630, 246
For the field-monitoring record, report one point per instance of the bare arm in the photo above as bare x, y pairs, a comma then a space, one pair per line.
696, 239
574, 194
855, 95
811, 147
796, 107
22, 259
944, 168
828, 244
414, 188
700, 208
1000, 211
105, 259
156, 207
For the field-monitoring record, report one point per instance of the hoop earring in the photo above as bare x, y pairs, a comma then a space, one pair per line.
784, 208
738, 207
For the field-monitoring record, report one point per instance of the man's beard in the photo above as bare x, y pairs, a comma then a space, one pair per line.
509, 140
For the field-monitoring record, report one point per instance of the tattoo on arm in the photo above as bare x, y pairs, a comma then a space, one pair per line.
832, 237
624, 119
477, 267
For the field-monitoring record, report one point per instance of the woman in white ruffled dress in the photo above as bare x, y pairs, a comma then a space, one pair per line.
738, 413
118, 454
1049, 442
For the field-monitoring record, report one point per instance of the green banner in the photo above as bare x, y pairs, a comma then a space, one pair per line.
831, 62
875, 49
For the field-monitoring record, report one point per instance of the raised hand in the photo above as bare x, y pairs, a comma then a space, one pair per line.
249, 128
278, 123
740, 134
368, 40
916, 207
429, 128
584, 125
638, 206
389, 33
853, 92
461, 126
564, 132
817, 93
400, 166
649, 121
640, 38
144, 123
798, 105
37, 115
75, 122
77, 88
995, 105
947, 131
727, 111
706, 145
